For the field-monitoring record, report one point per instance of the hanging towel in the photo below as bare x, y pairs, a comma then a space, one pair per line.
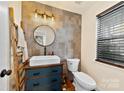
22, 44
25, 52
21, 38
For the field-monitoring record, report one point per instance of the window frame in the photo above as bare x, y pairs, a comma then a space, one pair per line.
117, 64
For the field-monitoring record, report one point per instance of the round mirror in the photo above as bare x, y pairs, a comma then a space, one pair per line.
44, 35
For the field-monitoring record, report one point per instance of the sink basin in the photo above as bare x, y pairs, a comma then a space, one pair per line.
44, 60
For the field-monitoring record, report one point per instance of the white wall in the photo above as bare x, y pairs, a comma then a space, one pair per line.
107, 77
4, 36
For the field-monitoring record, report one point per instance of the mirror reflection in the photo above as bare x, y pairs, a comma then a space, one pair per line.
44, 35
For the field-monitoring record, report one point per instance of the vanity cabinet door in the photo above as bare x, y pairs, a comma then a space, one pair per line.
43, 71
46, 83
52, 87
44, 78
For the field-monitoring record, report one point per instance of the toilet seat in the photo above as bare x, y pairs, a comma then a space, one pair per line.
84, 80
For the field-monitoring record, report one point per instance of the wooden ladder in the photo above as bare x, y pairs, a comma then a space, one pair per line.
18, 72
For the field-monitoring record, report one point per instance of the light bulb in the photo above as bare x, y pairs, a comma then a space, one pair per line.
35, 15
52, 18
44, 16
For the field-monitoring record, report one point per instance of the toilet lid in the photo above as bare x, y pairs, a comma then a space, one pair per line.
83, 78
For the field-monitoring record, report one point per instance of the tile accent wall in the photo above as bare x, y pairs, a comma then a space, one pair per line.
67, 28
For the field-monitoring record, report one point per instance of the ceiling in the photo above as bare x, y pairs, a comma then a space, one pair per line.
77, 7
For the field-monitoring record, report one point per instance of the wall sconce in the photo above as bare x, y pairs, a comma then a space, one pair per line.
44, 16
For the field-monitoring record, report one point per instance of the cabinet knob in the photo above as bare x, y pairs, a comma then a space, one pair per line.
36, 84
36, 74
54, 80
54, 70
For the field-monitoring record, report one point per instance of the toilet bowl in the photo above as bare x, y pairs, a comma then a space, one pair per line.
82, 81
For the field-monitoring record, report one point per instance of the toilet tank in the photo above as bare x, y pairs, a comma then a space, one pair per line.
72, 64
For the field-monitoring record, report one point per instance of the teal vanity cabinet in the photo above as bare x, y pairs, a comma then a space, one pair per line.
44, 78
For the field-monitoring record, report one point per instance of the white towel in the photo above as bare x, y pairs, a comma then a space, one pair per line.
22, 44
21, 38
25, 52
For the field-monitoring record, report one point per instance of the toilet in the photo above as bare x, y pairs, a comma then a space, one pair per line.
82, 81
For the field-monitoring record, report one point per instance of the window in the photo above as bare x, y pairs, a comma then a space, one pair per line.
110, 36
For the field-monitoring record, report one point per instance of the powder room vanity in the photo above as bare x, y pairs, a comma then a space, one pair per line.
44, 73
44, 77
